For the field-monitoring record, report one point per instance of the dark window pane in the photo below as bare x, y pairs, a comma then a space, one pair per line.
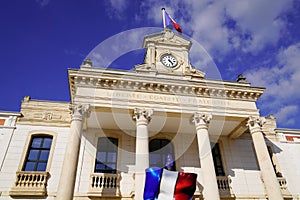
106, 156
101, 156
36, 142
30, 166
111, 166
219, 170
47, 143
38, 154
111, 157
100, 166
44, 155
162, 154
41, 166
33, 155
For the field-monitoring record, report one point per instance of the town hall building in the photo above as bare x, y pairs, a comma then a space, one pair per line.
164, 113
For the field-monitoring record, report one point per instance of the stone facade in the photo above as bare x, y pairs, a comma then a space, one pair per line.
210, 127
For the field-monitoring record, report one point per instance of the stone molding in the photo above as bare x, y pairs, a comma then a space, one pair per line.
255, 124
79, 111
201, 120
48, 113
200, 88
142, 116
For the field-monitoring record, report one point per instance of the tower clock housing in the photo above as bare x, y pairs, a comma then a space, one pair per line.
167, 53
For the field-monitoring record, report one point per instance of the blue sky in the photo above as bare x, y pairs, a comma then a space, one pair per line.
40, 39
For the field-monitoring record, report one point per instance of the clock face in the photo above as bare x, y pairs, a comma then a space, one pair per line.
169, 60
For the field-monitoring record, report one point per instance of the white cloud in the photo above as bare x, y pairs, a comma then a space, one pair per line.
260, 19
282, 81
222, 26
286, 114
117, 8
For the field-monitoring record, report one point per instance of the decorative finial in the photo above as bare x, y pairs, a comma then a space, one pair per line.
241, 79
87, 63
26, 99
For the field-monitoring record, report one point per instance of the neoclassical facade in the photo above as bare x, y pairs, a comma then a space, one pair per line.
164, 113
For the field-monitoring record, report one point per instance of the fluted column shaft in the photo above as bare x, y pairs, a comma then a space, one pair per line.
210, 186
69, 168
264, 160
142, 118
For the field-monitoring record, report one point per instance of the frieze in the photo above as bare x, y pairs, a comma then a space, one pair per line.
205, 90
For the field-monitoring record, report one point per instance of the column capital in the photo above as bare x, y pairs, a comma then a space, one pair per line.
79, 111
201, 120
255, 123
142, 115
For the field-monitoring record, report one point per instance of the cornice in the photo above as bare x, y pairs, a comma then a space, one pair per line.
8, 113
287, 131
184, 86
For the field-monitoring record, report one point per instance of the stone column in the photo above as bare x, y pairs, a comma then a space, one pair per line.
142, 118
210, 186
69, 168
264, 160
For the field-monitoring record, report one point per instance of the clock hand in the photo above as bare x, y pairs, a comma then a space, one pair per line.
170, 61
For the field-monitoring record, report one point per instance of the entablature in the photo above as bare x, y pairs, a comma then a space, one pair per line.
132, 81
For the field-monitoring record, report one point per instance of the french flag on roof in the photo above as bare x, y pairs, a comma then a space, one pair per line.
168, 20
162, 184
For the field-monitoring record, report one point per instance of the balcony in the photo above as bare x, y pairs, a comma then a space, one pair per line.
224, 187
102, 184
30, 184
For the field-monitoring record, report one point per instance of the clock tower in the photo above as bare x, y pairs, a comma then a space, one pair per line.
168, 53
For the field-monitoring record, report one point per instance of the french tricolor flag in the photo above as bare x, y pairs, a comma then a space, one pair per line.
162, 184
168, 20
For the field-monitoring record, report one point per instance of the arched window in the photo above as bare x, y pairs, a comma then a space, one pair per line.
162, 154
38, 153
107, 154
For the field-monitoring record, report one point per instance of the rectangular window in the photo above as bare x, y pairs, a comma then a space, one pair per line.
38, 153
106, 156
217, 159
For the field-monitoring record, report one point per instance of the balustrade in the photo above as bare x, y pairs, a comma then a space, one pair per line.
283, 186
224, 185
30, 183
104, 184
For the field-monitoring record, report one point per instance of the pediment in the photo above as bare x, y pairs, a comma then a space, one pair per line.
168, 38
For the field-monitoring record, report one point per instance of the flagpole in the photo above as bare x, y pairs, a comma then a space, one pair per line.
164, 17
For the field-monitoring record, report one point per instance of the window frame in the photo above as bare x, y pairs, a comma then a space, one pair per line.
28, 142
219, 144
173, 153
115, 171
